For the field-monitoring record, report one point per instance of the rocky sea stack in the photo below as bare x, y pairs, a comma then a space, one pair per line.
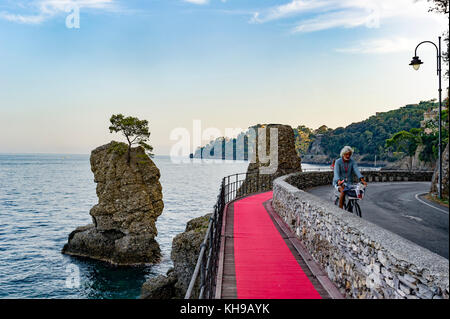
129, 202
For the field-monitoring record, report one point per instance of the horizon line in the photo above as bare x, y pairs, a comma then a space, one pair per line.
48, 153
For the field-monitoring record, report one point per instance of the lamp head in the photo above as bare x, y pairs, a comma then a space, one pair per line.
416, 62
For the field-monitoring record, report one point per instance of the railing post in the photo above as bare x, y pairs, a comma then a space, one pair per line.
236, 188
246, 181
228, 187
222, 190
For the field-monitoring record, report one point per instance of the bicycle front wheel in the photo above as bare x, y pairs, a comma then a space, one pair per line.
350, 206
358, 209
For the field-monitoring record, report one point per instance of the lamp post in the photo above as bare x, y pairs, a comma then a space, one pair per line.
415, 63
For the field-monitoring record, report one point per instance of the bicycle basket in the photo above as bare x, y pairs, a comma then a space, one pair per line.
356, 191
360, 190
351, 193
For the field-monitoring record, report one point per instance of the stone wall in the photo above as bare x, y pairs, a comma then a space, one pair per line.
362, 259
307, 180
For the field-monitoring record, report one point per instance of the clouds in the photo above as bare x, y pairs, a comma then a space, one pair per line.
26, 19
292, 8
307, 16
295, 17
350, 19
197, 1
317, 15
200, 1
38, 11
381, 46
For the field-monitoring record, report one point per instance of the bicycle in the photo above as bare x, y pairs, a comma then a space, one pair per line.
350, 201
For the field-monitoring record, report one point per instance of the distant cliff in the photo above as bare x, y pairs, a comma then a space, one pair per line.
367, 137
225, 148
315, 152
412, 163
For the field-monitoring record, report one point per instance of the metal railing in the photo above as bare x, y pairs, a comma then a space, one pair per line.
202, 284
326, 169
242, 184
206, 265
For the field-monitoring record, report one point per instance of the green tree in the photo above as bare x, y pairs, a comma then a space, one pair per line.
430, 149
135, 131
431, 139
405, 142
322, 130
370, 135
302, 139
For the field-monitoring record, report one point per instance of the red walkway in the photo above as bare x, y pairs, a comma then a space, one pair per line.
265, 267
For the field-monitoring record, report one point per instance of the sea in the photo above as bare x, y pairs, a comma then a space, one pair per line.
44, 197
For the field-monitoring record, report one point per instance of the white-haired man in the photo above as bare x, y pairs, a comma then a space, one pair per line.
343, 173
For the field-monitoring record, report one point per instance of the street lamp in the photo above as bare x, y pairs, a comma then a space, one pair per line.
415, 63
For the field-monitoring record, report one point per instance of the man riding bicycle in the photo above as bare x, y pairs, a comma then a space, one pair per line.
343, 173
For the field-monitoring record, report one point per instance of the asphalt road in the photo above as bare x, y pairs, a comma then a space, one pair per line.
400, 208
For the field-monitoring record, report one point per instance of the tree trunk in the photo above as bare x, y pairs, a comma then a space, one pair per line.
129, 155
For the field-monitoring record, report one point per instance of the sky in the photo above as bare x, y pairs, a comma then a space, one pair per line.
66, 66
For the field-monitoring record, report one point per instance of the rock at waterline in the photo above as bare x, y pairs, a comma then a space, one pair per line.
185, 251
129, 202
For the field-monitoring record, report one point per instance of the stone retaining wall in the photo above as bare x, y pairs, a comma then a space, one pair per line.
307, 180
362, 259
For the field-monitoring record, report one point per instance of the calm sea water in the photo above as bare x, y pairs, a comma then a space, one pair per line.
44, 197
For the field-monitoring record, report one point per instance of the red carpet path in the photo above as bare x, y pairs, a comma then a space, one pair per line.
265, 267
